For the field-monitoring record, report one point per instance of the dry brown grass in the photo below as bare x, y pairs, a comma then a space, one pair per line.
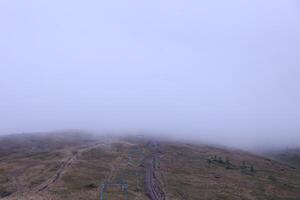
73, 166
70, 171
192, 172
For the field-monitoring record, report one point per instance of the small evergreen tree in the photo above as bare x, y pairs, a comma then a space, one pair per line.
227, 161
220, 160
252, 169
209, 161
244, 163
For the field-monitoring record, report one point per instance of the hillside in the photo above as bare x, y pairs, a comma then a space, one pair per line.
288, 156
78, 166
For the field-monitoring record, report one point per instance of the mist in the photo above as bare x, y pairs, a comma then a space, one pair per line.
219, 71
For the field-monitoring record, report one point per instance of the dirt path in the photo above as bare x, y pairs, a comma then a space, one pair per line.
56, 175
63, 167
152, 185
115, 165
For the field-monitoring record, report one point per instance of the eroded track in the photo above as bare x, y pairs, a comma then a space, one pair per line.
153, 187
65, 164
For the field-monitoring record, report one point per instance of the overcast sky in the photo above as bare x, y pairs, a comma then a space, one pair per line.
220, 70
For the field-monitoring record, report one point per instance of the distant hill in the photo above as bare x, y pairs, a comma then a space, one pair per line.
289, 156
75, 166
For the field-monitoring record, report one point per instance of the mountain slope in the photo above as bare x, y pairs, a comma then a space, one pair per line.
74, 166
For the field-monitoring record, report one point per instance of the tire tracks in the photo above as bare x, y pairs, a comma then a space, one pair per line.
153, 188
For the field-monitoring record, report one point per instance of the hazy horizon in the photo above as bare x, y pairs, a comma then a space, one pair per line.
222, 71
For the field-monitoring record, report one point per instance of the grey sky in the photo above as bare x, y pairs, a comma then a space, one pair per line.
220, 70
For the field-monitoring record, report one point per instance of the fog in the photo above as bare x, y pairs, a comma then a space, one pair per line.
220, 71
